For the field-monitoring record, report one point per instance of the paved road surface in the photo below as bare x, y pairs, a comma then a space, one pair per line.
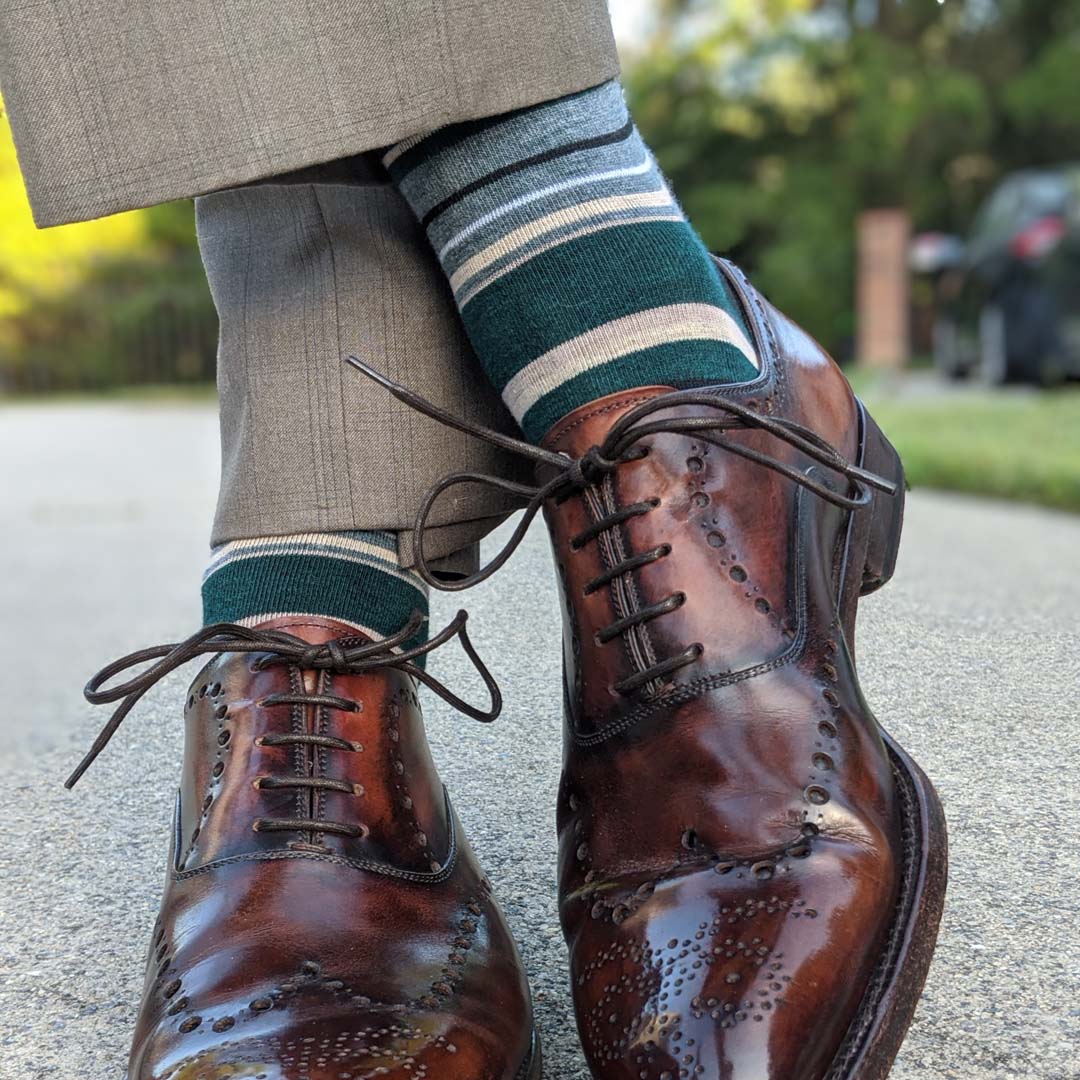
971, 657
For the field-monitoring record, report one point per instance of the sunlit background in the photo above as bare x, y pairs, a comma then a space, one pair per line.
903, 178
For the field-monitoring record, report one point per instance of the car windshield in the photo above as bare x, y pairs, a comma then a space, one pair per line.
1045, 194
1019, 201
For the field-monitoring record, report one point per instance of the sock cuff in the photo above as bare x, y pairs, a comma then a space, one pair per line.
562, 119
350, 576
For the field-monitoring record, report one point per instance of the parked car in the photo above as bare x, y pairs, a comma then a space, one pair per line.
1008, 298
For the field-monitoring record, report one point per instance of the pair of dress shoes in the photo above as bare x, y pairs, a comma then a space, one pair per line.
751, 870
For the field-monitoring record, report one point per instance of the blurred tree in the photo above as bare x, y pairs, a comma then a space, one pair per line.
56, 258
778, 121
103, 303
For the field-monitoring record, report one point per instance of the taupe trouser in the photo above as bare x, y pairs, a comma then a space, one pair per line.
122, 103
116, 104
303, 275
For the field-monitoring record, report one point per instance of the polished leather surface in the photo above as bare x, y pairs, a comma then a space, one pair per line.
288, 955
729, 837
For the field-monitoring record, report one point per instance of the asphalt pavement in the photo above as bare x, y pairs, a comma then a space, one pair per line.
971, 657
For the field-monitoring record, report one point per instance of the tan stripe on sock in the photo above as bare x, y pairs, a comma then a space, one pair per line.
509, 243
398, 149
331, 545
631, 333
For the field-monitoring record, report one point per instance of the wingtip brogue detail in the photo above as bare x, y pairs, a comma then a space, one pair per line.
323, 914
739, 842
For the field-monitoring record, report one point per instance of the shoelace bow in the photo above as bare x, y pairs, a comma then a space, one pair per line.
339, 656
621, 445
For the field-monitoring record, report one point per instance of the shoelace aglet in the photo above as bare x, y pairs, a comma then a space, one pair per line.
872, 479
377, 376
427, 408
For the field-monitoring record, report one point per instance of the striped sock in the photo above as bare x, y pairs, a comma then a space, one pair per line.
573, 267
350, 576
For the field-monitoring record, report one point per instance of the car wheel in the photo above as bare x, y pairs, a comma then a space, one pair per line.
946, 344
993, 346
1036, 337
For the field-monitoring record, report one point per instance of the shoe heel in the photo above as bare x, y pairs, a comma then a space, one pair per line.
886, 512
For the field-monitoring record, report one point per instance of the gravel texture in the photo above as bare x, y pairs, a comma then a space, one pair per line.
971, 658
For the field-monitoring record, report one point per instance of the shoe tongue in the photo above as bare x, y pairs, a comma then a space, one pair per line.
316, 629
588, 425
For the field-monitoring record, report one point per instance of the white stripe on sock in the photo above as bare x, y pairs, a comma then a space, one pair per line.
532, 196
284, 544
367, 631
398, 149
322, 545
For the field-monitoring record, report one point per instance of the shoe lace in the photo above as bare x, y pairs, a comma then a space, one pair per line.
569, 476
340, 656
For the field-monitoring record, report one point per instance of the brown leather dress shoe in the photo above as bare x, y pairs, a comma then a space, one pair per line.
751, 871
323, 916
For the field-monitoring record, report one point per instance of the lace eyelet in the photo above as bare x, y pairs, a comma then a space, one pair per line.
301, 845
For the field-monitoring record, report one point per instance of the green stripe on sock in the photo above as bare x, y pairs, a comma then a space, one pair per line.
559, 265
620, 271
311, 584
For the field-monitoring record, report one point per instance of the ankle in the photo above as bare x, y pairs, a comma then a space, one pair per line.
351, 577
573, 267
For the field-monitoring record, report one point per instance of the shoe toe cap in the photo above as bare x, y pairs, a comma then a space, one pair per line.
391, 1043
710, 974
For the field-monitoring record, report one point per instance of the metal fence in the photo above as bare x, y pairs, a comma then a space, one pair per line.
126, 323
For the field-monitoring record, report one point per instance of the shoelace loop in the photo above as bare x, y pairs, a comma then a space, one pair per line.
622, 445
341, 657
619, 447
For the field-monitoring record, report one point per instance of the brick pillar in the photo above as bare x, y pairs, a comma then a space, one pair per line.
883, 289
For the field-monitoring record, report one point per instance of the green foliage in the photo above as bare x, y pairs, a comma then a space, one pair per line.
120, 300
135, 318
1018, 445
778, 123
132, 315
